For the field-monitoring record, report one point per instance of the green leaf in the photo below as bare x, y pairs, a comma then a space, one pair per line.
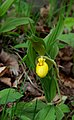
9, 95
52, 90
69, 22
23, 8
28, 108
26, 60
46, 87
31, 55
67, 38
22, 45
47, 113
54, 51
5, 6
73, 117
23, 117
48, 84
13, 23
61, 45
38, 44
64, 108
50, 39
59, 113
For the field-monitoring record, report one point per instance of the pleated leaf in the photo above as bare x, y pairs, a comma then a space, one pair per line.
38, 44
67, 38
5, 6
9, 95
47, 113
50, 39
13, 23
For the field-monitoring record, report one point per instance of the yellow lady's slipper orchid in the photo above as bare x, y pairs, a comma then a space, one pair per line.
41, 67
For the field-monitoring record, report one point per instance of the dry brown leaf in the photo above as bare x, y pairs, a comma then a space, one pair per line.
42, 98
11, 61
66, 53
57, 99
3, 70
31, 89
67, 81
44, 11
67, 68
6, 80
